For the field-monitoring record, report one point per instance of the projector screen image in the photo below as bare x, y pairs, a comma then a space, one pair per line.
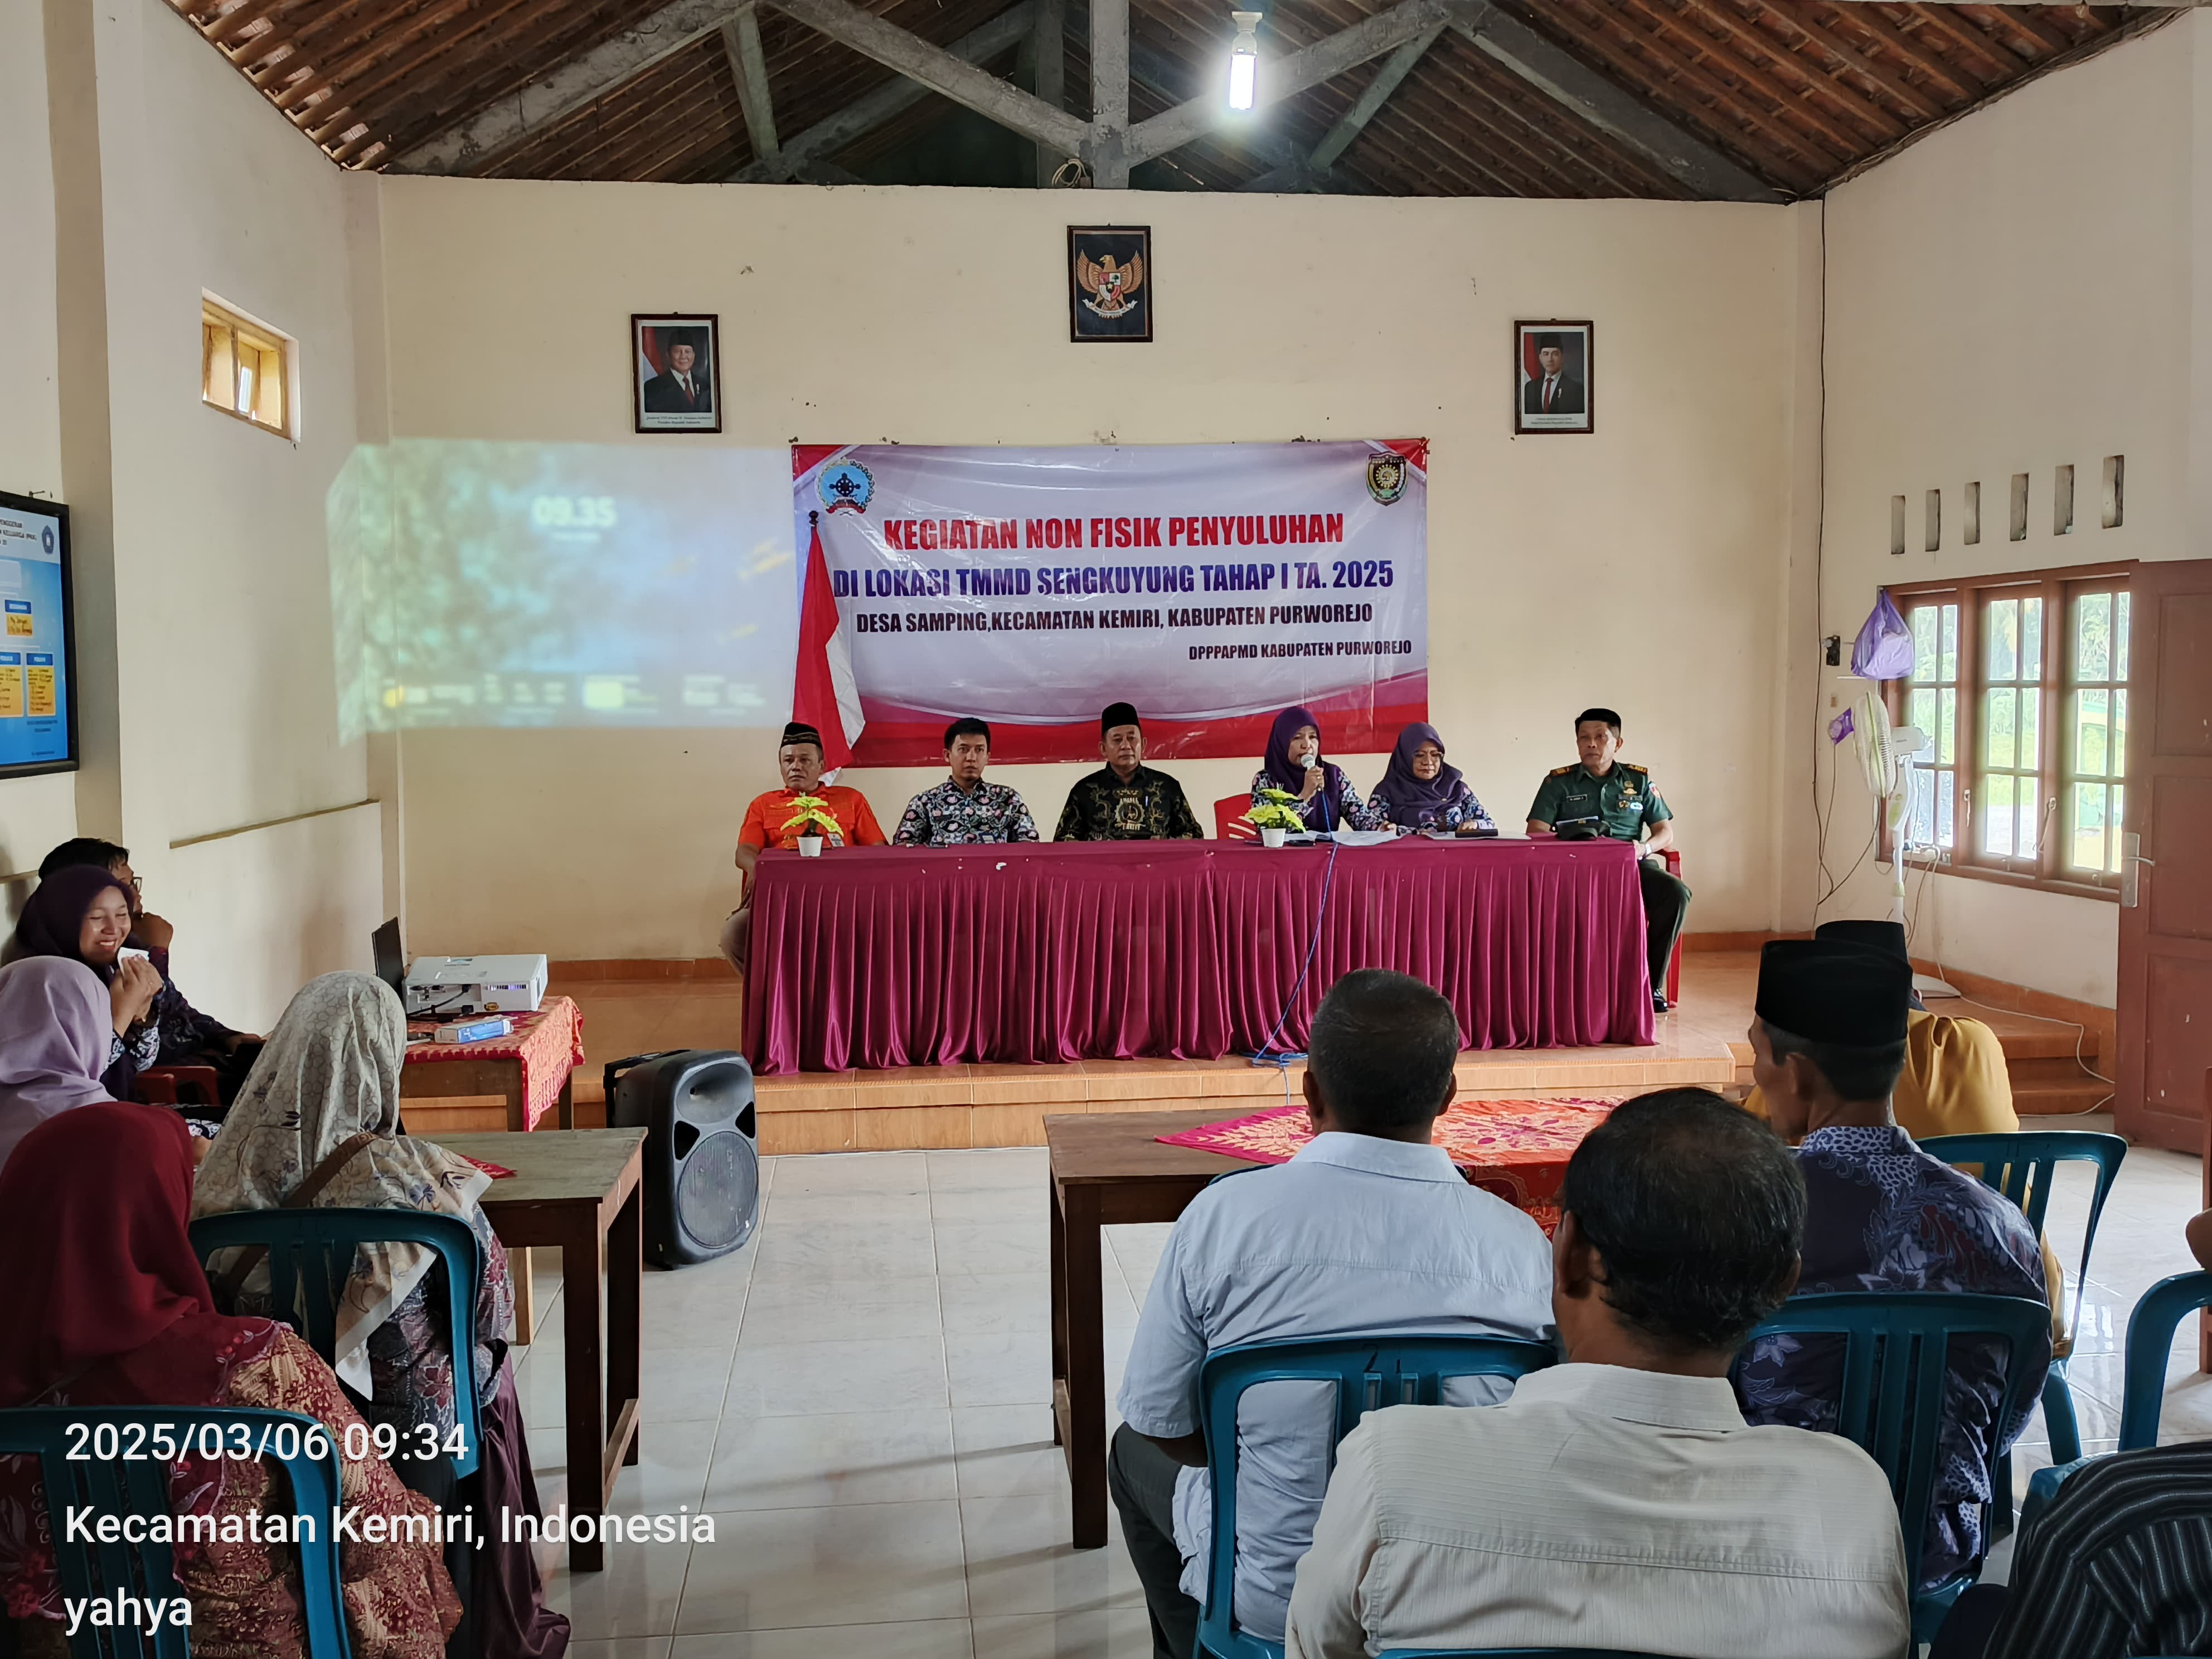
540, 585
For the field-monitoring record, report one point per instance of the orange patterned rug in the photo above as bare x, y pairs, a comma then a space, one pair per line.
1517, 1149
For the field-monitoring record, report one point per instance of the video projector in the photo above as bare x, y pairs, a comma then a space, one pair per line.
445, 986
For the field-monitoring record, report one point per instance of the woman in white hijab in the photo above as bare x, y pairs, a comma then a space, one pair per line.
55, 1024
320, 1111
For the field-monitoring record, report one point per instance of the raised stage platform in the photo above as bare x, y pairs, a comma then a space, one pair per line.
638, 1008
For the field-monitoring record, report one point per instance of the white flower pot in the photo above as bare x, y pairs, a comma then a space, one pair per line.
1272, 835
810, 846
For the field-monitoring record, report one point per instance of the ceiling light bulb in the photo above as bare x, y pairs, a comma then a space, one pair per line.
1244, 61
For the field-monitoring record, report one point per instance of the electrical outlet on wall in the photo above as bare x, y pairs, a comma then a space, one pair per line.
1832, 650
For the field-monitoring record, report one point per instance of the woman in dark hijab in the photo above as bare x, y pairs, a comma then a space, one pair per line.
1326, 799
83, 914
1420, 792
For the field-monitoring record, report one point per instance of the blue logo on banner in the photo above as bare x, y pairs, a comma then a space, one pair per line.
847, 487
46, 538
20, 607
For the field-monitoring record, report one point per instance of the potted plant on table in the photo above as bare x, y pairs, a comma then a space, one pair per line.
1275, 816
810, 818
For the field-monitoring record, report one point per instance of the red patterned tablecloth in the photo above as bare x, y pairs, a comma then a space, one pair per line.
1517, 1149
549, 1043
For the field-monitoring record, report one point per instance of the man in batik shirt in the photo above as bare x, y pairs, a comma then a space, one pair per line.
1828, 1040
1125, 799
964, 810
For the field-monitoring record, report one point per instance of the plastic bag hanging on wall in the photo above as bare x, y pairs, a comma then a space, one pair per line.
1884, 647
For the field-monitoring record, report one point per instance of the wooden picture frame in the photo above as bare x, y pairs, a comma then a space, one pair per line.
665, 395
1110, 283
1565, 398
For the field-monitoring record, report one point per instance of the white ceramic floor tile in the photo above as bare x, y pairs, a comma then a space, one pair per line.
935, 1639
1019, 1560
846, 1310
1007, 1451
859, 1249
844, 1457
1005, 1166
793, 1379
847, 1563
834, 1210
1113, 1633
1004, 1369
988, 1304
636, 1594
993, 1247
670, 1472
632, 1647
851, 1172
1007, 1202
683, 1384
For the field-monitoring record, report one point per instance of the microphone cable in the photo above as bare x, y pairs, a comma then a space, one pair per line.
1267, 1053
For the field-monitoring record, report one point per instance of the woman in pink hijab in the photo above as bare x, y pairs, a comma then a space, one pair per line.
55, 1025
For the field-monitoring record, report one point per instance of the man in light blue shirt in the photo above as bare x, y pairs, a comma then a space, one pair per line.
1370, 1230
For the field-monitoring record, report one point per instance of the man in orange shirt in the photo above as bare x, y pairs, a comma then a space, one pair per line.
800, 760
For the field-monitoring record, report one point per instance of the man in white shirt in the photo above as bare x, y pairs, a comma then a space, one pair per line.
1370, 1230
1619, 1500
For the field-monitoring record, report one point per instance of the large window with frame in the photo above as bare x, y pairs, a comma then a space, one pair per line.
2021, 684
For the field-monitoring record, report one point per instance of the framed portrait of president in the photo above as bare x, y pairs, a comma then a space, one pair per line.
676, 372
1553, 390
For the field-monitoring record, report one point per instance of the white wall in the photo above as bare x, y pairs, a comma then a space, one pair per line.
203, 583
34, 813
1641, 567
2015, 293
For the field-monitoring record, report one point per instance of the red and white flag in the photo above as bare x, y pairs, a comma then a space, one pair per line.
823, 694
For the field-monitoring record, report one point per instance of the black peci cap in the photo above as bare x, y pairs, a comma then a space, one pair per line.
1828, 991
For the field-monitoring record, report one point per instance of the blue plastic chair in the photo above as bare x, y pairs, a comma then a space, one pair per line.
1897, 1350
311, 1255
1370, 1372
124, 1486
2150, 1339
2022, 1166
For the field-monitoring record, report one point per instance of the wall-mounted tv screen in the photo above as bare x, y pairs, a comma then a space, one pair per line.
38, 647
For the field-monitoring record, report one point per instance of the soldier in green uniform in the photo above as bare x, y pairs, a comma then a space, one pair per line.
1605, 796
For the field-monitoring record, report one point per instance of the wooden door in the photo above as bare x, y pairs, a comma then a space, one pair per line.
2164, 1014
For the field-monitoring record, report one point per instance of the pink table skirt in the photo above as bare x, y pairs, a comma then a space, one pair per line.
880, 957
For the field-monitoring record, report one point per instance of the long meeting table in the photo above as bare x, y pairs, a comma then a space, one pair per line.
869, 958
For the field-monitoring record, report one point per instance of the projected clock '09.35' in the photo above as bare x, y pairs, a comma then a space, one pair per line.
573, 512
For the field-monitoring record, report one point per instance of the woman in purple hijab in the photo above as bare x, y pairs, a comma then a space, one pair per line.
83, 915
1327, 800
54, 1032
1420, 792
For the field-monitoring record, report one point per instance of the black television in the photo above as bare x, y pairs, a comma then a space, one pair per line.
38, 647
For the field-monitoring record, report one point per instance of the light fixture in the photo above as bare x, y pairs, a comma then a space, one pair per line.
1244, 61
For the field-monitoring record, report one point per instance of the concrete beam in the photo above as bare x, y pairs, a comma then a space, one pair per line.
741, 39
1348, 126
1048, 56
570, 85
1110, 93
941, 72
857, 119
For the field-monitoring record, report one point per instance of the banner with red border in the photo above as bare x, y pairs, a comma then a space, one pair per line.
1210, 585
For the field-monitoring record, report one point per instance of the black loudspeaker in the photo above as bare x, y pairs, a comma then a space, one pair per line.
701, 1149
